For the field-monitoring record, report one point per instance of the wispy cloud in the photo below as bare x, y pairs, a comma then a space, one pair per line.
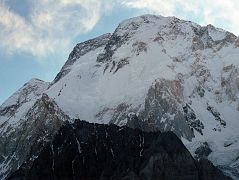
51, 26
221, 13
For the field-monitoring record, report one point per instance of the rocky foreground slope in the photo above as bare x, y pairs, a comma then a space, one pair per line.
92, 151
152, 72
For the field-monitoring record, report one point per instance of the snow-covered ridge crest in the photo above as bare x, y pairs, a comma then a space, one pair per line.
80, 50
34, 86
19, 103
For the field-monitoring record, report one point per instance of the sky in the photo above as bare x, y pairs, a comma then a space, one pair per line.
36, 36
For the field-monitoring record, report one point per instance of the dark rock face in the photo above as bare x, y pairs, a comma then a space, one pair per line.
216, 114
136, 123
95, 151
203, 151
208, 171
192, 120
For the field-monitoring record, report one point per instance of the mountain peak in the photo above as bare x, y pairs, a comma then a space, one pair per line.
18, 104
80, 50
154, 73
34, 80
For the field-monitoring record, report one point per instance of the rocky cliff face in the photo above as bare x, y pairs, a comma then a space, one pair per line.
153, 73
26, 140
93, 151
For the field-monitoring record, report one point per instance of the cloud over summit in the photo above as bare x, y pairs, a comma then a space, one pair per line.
50, 25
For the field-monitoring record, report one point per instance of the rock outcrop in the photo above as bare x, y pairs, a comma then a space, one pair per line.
22, 144
93, 151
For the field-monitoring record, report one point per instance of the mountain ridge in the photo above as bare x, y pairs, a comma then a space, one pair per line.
83, 150
156, 73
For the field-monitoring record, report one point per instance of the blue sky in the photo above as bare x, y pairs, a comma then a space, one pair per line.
36, 36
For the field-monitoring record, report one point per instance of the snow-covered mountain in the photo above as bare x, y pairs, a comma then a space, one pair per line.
153, 72
29, 120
